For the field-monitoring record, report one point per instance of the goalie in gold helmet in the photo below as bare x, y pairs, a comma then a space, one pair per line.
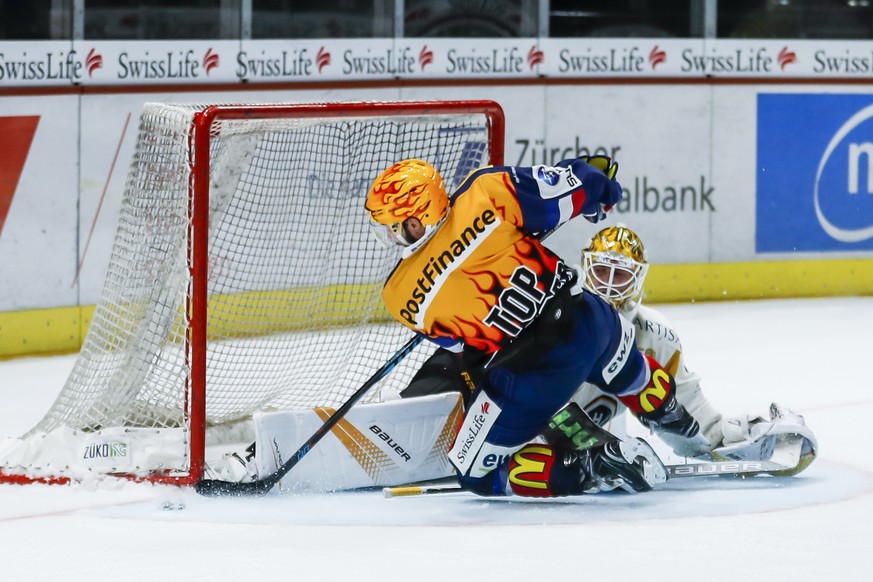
615, 265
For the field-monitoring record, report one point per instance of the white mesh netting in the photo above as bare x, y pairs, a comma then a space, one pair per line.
295, 316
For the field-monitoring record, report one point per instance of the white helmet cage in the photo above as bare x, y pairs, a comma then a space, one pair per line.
389, 234
615, 266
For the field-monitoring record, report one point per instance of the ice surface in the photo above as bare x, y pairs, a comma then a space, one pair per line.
810, 355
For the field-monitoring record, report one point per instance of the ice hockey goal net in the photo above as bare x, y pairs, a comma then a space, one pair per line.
243, 278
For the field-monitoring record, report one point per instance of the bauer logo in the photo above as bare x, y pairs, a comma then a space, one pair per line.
814, 173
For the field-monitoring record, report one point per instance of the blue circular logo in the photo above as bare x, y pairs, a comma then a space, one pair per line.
548, 175
843, 193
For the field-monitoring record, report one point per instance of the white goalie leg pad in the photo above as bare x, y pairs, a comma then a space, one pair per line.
784, 438
381, 444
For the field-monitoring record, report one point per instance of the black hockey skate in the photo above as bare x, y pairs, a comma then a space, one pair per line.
630, 465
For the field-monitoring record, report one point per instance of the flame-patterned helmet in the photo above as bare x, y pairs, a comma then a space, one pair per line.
615, 266
410, 188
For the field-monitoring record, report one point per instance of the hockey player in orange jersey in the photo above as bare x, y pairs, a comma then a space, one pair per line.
476, 280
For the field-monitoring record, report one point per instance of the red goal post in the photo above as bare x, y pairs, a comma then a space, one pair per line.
243, 278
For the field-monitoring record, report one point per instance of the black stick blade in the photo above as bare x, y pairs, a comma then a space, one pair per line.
218, 488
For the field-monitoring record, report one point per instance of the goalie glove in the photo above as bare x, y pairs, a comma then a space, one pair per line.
781, 438
595, 210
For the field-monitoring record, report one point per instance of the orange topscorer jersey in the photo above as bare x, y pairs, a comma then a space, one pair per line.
483, 276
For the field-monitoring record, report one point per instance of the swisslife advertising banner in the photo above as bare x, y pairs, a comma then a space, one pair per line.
84, 62
380, 59
815, 173
36, 64
158, 62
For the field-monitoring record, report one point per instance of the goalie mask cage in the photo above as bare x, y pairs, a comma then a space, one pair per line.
243, 278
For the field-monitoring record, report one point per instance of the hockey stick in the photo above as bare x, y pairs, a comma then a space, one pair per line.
726, 469
703, 469
785, 460
416, 490
738, 469
217, 487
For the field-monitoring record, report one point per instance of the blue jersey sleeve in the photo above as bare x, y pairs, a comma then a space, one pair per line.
551, 195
